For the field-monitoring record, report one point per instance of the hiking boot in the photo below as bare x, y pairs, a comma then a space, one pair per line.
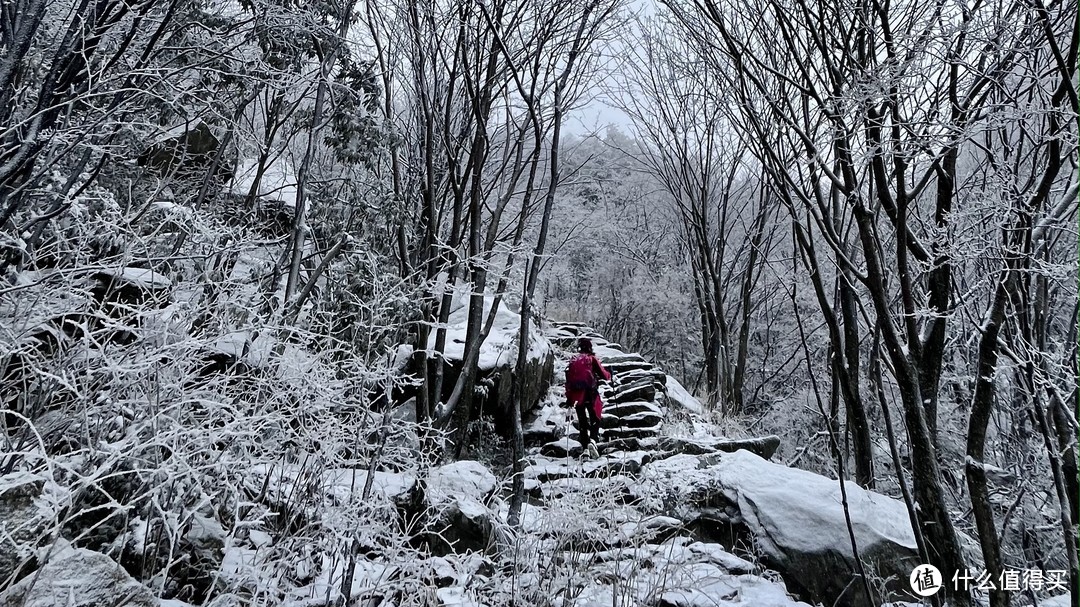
593, 451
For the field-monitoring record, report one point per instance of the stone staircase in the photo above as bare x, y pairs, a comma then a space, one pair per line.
635, 410
609, 512
634, 400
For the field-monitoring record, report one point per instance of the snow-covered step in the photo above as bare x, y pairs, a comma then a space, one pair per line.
612, 434
631, 407
563, 447
642, 389
643, 419
626, 377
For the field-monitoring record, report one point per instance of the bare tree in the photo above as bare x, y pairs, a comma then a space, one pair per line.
863, 137
687, 143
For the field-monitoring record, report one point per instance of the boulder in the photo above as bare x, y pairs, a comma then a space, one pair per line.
76, 577
459, 526
127, 288
675, 573
796, 519
496, 362
464, 478
458, 521
280, 483
27, 509
186, 145
679, 396
708, 586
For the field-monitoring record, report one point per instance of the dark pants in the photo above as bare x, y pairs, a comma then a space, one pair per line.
588, 424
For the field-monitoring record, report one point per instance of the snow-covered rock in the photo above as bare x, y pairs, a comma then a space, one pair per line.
76, 577
497, 358
633, 407
342, 484
677, 574
642, 389
564, 447
465, 478
795, 517
458, 519
461, 525
28, 505
681, 397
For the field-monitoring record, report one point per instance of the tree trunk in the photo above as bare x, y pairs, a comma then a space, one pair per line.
943, 546
981, 409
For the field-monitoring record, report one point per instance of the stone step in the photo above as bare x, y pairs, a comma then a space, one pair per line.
631, 443
644, 419
642, 389
613, 434
562, 447
631, 407
625, 377
632, 357
763, 446
546, 469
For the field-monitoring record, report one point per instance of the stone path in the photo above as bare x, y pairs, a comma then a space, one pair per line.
633, 554
634, 403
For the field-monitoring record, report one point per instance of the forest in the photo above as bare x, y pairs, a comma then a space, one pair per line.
287, 291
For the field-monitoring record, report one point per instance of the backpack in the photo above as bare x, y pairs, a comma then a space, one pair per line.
579, 374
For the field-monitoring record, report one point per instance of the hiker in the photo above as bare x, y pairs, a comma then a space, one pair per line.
583, 376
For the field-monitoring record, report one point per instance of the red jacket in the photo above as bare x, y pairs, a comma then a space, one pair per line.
578, 395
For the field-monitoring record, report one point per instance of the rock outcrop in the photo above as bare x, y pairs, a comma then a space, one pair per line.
794, 517
76, 577
458, 519
27, 509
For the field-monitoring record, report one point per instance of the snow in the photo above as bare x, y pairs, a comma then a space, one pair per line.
367, 575
455, 597
143, 277
1061, 600
676, 574
259, 538
464, 478
702, 586
341, 483
801, 511
681, 396
205, 530
402, 355
239, 563
294, 360
278, 181
500, 347
18, 479
603, 352
470, 508
344, 482
176, 131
